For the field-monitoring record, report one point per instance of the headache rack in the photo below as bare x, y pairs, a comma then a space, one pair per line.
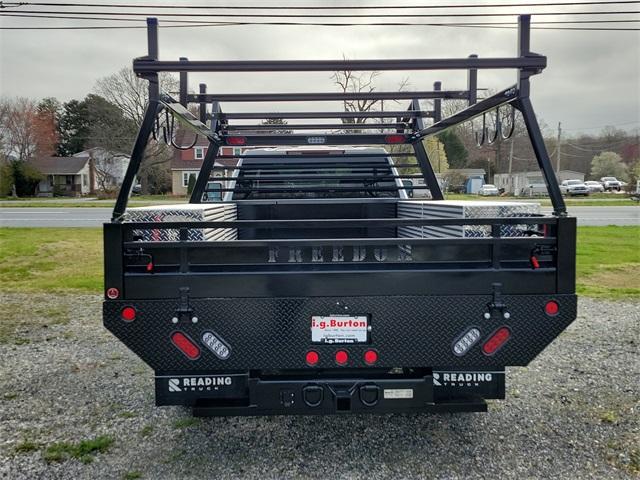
348, 171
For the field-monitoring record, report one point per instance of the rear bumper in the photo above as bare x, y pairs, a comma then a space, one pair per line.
240, 394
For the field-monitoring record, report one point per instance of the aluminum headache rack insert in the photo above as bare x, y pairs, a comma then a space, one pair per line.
407, 127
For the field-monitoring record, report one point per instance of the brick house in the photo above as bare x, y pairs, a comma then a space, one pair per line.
187, 163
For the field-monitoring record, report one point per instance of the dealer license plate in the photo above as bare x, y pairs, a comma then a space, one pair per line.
339, 329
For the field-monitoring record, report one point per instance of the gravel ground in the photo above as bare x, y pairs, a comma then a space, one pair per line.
573, 413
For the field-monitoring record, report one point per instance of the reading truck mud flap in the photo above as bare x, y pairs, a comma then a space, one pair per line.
240, 394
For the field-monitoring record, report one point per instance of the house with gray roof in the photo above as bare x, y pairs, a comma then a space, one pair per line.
66, 176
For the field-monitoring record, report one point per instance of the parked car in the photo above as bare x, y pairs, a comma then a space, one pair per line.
594, 187
488, 190
574, 187
611, 183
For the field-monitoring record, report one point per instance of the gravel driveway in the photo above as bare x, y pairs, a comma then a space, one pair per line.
574, 413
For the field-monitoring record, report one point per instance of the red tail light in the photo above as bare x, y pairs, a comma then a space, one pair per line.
370, 357
552, 308
497, 340
185, 345
128, 314
312, 358
236, 140
395, 139
342, 357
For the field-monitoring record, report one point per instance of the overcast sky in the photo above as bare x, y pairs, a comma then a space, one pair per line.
592, 78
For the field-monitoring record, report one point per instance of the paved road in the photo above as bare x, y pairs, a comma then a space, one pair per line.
95, 216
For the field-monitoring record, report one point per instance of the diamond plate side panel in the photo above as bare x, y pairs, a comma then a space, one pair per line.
274, 333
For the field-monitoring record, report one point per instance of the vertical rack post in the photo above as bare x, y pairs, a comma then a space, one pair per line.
184, 85
437, 103
153, 108
523, 103
472, 83
202, 110
422, 157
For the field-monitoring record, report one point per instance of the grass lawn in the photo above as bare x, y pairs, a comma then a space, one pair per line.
70, 260
51, 259
608, 262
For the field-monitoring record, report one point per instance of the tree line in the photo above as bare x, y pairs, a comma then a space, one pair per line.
110, 116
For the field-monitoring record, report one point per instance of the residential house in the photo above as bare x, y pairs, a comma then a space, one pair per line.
108, 168
67, 176
187, 163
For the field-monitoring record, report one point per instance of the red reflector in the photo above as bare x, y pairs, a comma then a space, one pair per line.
150, 267
312, 358
185, 345
236, 140
128, 314
113, 293
496, 340
395, 139
370, 357
342, 357
552, 308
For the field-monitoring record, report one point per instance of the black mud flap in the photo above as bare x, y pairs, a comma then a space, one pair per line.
192, 388
451, 384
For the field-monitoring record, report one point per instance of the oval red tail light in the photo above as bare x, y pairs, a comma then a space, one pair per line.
185, 345
497, 340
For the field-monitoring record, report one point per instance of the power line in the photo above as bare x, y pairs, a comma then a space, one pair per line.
320, 7
323, 15
544, 22
317, 24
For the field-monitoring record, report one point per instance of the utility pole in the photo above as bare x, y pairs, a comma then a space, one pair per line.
558, 147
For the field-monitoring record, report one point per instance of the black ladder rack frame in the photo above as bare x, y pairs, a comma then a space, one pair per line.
409, 126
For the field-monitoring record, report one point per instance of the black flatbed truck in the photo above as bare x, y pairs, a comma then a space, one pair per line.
320, 304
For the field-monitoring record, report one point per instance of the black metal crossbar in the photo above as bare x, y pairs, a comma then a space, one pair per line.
325, 96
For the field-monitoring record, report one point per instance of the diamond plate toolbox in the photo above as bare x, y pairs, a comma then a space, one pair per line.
184, 213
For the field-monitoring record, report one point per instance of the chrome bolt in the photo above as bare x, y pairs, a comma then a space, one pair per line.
506, 315
194, 320
487, 315
174, 320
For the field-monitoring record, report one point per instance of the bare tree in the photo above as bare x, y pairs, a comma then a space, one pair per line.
131, 94
25, 131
